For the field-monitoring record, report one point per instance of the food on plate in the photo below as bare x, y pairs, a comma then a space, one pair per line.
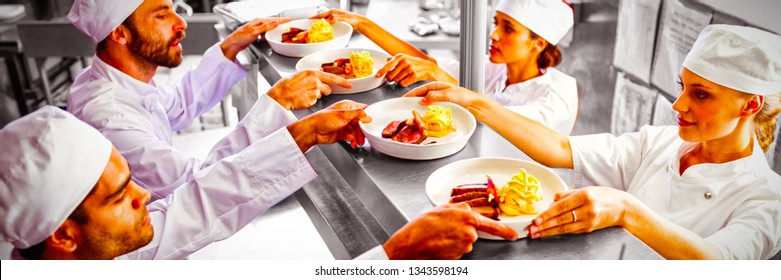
320, 31
487, 211
295, 36
359, 65
437, 122
340, 66
516, 197
469, 196
362, 63
467, 188
406, 131
393, 128
478, 197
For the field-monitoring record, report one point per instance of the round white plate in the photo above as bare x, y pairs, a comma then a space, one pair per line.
396, 109
442, 181
342, 33
313, 61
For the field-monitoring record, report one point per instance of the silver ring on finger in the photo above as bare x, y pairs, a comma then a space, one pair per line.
574, 217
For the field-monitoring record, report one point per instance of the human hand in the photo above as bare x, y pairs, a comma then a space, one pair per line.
302, 89
582, 210
406, 69
337, 122
438, 91
445, 232
248, 34
334, 15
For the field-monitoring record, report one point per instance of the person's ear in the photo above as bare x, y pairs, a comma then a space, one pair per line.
540, 44
120, 35
65, 238
753, 105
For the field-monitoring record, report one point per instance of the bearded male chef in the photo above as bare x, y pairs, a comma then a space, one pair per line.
68, 194
117, 95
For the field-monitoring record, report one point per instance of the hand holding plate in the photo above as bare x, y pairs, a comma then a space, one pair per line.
581, 211
406, 70
445, 232
303, 89
439, 91
335, 15
337, 122
248, 34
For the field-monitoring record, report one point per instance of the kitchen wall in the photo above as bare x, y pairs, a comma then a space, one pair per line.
588, 59
653, 38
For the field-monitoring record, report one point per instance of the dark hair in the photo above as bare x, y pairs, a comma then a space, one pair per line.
34, 252
78, 215
102, 44
550, 56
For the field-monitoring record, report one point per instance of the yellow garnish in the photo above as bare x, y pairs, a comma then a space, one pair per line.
518, 195
320, 31
439, 121
362, 63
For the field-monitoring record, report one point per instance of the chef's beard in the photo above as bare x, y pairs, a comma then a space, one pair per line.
155, 49
103, 245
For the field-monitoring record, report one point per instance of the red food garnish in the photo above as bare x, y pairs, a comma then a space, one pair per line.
491, 190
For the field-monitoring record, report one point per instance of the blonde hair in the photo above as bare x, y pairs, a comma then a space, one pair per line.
765, 120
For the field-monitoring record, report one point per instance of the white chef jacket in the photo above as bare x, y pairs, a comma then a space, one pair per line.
139, 118
550, 99
736, 206
205, 210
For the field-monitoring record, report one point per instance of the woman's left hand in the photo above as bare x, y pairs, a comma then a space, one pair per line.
582, 210
335, 15
406, 70
439, 91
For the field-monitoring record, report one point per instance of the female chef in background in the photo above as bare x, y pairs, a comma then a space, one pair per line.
702, 190
520, 74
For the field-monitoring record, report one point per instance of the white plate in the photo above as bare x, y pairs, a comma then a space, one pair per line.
442, 181
342, 33
396, 109
313, 61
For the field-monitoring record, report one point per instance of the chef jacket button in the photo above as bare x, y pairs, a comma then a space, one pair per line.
708, 195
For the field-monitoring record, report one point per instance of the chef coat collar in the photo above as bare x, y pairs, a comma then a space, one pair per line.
124, 80
695, 173
543, 79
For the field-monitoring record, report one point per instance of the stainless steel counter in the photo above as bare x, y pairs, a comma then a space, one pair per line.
363, 196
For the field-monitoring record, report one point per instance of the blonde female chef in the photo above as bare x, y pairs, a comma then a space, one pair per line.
702, 190
520, 74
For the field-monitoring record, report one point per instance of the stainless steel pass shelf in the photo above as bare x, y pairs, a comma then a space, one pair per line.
366, 195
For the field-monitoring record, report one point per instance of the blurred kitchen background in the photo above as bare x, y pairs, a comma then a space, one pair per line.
624, 54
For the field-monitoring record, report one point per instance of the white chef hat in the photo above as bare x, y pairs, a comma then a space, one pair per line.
551, 19
97, 18
50, 163
738, 57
